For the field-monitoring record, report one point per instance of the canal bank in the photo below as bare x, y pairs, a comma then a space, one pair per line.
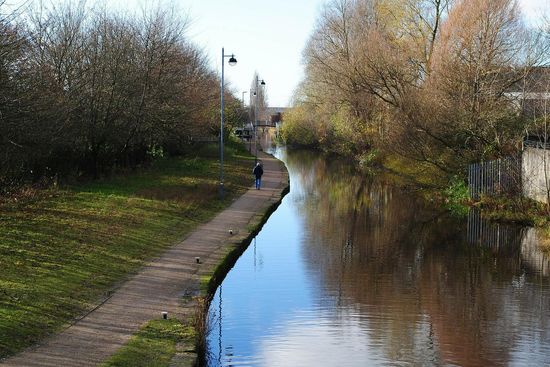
162, 284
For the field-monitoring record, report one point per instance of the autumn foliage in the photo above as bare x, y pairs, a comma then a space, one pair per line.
426, 80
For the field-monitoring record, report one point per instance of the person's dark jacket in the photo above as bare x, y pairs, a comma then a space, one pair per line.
258, 171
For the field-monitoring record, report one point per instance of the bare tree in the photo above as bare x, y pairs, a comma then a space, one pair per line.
258, 99
85, 90
13, 107
483, 52
460, 112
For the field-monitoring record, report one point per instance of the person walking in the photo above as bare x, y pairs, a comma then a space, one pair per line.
258, 171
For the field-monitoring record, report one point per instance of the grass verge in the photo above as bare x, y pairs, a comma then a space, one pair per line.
514, 210
154, 345
63, 250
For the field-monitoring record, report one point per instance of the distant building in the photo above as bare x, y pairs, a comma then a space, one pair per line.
532, 92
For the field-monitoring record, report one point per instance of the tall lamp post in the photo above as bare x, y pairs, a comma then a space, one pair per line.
256, 93
244, 91
232, 62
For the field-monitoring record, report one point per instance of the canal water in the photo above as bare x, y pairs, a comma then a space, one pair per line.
352, 271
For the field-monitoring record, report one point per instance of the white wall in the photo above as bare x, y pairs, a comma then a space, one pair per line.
536, 173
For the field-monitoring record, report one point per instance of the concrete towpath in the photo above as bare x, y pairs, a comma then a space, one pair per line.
161, 284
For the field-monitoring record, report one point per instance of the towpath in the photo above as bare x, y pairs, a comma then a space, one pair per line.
161, 284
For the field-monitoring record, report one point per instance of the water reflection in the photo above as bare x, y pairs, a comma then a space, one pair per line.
496, 236
357, 272
531, 254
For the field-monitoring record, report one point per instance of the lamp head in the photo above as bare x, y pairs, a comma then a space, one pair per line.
232, 61
262, 83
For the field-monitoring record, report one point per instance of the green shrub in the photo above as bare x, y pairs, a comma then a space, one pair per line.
456, 196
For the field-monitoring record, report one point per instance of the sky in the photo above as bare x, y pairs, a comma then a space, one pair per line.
266, 36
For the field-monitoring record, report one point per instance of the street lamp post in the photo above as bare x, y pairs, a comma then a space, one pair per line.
256, 93
232, 62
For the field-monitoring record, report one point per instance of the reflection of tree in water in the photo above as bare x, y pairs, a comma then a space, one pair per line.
409, 269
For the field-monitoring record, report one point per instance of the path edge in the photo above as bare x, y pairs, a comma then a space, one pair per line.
238, 246
226, 257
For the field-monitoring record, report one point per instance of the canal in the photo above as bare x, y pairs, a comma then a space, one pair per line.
350, 270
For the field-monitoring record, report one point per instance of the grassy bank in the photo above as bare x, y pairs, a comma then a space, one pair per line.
513, 210
62, 250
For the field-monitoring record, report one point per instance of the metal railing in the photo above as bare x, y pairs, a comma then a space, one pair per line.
500, 176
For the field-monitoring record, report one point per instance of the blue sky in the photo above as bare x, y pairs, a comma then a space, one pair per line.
267, 36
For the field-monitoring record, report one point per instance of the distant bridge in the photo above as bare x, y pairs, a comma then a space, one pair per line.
275, 110
265, 124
